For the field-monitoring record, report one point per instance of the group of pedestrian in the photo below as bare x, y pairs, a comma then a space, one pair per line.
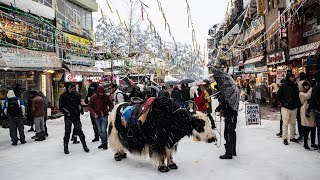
300, 104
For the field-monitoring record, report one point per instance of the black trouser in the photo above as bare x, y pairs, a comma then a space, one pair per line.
77, 130
16, 123
281, 122
230, 134
95, 128
306, 131
300, 129
209, 111
45, 124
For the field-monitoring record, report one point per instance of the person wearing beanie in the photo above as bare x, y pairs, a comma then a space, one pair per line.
70, 105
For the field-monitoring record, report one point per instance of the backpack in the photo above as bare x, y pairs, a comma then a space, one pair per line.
125, 97
14, 109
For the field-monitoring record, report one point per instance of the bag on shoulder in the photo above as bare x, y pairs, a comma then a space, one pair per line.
14, 109
125, 97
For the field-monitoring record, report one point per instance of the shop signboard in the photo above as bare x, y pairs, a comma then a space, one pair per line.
312, 32
260, 68
304, 48
14, 57
72, 77
252, 114
248, 68
280, 74
276, 58
72, 59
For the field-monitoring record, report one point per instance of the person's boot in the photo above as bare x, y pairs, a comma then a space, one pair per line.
100, 147
84, 144
227, 155
65, 148
43, 134
39, 137
315, 146
34, 137
306, 147
285, 142
105, 146
75, 140
279, 134
31, 129
294, 140
96, 138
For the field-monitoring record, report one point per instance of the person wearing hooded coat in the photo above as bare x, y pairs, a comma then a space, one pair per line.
100, 105
288, 95
70, 105
15, 116
91, 91
230, 120
315, 102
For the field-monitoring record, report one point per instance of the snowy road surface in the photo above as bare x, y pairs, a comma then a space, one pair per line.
261, 155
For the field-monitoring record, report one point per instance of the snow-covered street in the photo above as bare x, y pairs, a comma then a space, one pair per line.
261, 155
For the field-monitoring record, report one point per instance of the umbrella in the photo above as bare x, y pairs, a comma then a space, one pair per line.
186, 81
228, 88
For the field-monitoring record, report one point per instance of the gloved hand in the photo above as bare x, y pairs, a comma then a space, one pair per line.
82, 112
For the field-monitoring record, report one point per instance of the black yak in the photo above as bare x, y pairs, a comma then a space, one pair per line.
157, 137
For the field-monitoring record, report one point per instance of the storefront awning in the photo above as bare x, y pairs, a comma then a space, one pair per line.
302, 55
254, 60
304, 51
84, 70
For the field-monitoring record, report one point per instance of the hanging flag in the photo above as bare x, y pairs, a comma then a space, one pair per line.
12, 10
142, 12
109, 6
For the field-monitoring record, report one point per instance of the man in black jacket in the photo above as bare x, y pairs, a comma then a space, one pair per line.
70, 105
315, 102
91, 91
230, 134
288, 95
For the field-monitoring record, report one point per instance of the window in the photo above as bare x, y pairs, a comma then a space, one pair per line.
45, 2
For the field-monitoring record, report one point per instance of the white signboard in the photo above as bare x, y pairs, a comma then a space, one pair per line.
72, 78
14, 57
280, 74
276, 58
252, 114
77, 60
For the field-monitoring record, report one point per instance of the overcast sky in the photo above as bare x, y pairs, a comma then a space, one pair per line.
204, 13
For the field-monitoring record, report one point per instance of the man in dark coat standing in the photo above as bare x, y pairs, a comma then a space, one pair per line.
91, 91
70, 105
288, 95
99, 106
229, 129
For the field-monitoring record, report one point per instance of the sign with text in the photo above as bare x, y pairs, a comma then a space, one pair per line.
14, 57
72, 77
252, 114
276, 58
280, 74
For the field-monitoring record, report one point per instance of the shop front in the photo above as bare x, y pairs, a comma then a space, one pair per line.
31, 69
275, 61
305, 59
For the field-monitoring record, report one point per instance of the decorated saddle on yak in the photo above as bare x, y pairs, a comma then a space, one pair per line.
133, 116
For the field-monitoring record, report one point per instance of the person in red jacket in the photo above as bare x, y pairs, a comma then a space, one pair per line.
100, 105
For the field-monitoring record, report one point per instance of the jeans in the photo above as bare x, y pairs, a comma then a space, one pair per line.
317, 113
102, 126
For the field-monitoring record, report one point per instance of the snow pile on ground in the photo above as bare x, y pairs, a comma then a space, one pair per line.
261, 155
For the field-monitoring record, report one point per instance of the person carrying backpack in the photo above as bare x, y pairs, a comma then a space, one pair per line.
15, 110
116, 94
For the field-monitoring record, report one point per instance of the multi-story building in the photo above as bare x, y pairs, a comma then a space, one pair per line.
37, 36
28, 55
